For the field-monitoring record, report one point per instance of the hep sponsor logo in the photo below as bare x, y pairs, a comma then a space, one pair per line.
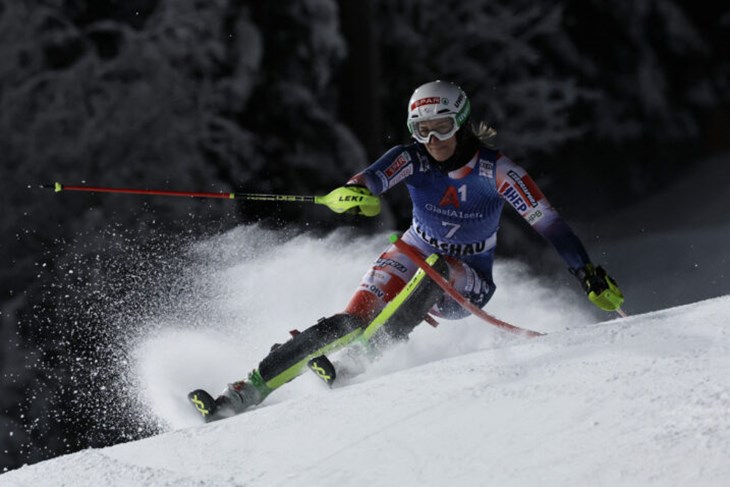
397, 165
523, 187
431, 100
514, 199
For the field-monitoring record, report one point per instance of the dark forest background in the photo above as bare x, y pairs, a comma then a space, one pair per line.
603, 102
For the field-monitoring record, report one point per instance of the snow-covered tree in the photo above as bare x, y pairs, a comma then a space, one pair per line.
584, 82
183, 94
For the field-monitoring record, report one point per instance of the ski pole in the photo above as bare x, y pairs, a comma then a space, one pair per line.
454, 294
339, 200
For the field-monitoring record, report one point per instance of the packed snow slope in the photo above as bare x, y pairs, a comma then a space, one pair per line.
638, 401
641, 401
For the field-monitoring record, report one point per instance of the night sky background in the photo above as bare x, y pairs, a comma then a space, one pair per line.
604, 103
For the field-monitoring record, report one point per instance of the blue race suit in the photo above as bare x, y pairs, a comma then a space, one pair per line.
456, 214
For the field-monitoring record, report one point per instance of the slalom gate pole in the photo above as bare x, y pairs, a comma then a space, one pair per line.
454, 294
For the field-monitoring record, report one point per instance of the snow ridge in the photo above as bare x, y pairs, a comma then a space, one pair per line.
637, 401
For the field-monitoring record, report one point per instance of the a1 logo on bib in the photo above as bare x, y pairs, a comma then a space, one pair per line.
453, 197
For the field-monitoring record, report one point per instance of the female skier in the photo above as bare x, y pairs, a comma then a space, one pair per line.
458, 187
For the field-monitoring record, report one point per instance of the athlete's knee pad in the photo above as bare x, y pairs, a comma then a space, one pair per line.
470, 284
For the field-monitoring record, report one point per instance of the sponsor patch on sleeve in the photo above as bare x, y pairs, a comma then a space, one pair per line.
401, 175
400, 162
513, 197
486, 168
523, 188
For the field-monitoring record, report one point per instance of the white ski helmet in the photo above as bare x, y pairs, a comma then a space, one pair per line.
437, 100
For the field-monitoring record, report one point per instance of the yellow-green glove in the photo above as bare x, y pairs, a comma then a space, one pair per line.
601, 288
371, 203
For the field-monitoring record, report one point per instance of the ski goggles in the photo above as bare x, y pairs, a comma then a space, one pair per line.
442, 128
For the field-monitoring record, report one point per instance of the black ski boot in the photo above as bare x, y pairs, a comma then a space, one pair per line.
237, 398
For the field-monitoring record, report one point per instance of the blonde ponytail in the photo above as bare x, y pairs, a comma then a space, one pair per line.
486, 134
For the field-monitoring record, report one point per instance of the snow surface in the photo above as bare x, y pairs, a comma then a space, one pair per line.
640, 401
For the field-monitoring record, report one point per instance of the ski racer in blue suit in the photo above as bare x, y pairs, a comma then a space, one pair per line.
458, 186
